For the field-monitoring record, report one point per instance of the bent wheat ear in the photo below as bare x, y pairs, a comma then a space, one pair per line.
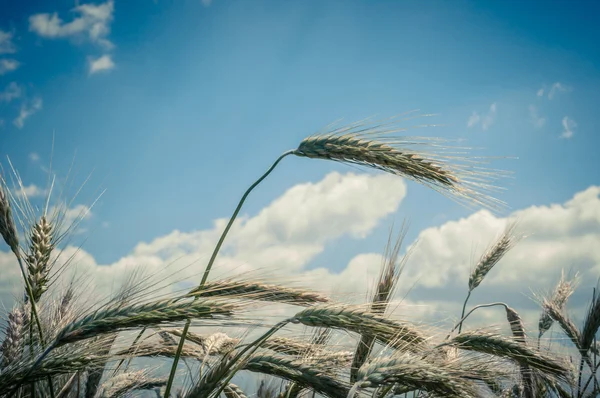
563, 290
258, 291
400, 335
8, 230
375, 146
503, 347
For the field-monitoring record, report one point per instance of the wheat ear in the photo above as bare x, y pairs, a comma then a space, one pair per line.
38, 259
14, 337
386, 285
490, 258
233, 391
358, 320
377, 146
258, 291
497, 345
300, 373
562, 291
413, 373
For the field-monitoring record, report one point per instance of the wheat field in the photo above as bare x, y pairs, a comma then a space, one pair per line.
53, 345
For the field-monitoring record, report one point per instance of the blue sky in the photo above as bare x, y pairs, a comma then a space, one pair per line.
177, 106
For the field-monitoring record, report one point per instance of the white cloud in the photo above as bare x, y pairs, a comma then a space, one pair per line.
28, 109
103, 63
540, 92
473, 119
34, 157
558, 88
569, 127
289, 233
93, 21
206, 3
11, 92
8, 65
31, 191
6, 44
537, 120
485, 120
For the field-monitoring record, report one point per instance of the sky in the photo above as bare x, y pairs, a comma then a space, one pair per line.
173, 108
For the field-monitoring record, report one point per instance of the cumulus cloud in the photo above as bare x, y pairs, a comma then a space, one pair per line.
284, 237
537, 120
11, 92
484, 120
8, 65
27, 109
6, 44
92, 21
100, 64
569, 127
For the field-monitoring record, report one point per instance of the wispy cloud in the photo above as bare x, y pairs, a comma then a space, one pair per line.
537, 120
28, 109
11, 92
569, 126
6, 44
93, 21
8, 65
484, 120
558, 88
101, 64
34, 157
554, 90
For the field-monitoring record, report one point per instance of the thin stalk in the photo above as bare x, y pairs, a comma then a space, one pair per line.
471, 311
462, 315
210, 264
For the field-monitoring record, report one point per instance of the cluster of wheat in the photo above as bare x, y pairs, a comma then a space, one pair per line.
54, 347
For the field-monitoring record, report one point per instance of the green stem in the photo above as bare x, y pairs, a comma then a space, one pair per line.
462, 315
210, 264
